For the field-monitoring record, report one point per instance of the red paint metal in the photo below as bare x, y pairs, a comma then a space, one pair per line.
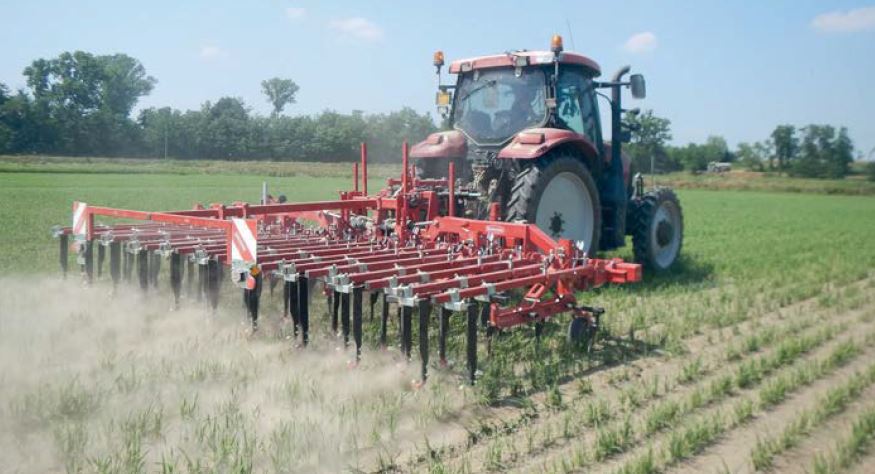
450, 144
523, 148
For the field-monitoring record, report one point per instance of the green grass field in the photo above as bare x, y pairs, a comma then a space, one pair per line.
706, 368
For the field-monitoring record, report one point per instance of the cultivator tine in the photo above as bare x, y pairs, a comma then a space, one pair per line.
286, 288
189, 276
89, 261
374, 297
384, 320
539, 330
484, 315
252, 297
303, 308
357, 321
115, 254
143, 269
127, 266
472, 342
154, 268
202, 283
101, 256
294, 309
443, 333
214, 278
344, 317
273, 283
424, 315
407, 331
335, 307
175, 277
400, 327
64, 257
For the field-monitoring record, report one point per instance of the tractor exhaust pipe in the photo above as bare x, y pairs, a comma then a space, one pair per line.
617, 114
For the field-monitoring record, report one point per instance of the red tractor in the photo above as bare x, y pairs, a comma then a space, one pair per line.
524, 133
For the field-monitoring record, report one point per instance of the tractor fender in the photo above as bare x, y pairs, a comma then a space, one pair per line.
536, 142
449, 144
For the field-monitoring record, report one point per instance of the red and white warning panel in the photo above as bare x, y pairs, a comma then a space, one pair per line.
244, 245
80, 220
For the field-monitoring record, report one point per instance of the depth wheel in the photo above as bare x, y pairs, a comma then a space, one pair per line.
581, 333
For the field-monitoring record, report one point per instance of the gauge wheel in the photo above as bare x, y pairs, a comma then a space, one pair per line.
581, 333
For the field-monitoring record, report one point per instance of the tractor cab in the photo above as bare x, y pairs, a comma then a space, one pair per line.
496, 97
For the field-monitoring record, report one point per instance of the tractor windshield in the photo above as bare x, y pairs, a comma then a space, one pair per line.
494, 104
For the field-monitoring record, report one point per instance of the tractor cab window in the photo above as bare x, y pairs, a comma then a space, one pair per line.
494, 104
575, 104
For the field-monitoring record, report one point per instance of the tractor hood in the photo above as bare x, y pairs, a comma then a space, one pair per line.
449, 144
535, 142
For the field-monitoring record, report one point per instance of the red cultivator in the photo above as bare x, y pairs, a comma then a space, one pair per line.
403, 246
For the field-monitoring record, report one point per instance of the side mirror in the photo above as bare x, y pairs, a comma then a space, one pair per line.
639, 89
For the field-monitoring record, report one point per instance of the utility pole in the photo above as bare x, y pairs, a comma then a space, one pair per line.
165, 140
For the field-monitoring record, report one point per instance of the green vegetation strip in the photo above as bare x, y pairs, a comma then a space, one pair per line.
832, 403
612, 439
695, 436
595, 413
848, 450
617, 438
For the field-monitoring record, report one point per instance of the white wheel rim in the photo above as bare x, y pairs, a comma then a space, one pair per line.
668, 213
567, 206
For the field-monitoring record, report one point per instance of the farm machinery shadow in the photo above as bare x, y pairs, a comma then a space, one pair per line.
552, 361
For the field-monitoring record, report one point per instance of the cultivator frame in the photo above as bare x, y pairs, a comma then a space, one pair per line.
403, 246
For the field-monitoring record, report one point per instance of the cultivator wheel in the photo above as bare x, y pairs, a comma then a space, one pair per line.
583, 329
559, 195
657, 229
404, 247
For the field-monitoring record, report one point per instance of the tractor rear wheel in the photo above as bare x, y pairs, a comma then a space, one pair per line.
657, 229
558, 194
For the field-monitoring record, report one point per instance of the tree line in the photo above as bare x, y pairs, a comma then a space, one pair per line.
812, 151
81, 104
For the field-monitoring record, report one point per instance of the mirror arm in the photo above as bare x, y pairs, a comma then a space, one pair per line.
605, 85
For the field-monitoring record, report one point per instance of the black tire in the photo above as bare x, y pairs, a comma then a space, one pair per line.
581, 333
651, 246
531, 182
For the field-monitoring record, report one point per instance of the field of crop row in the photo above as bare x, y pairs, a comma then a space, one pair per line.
756, 354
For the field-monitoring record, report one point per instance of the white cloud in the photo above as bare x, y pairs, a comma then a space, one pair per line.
211, 52
357, 27
295, 13
858, 19
641, 43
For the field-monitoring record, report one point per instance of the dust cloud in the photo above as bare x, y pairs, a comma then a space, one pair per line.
92, 381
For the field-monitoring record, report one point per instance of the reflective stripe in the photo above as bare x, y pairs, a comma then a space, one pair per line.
80, 222
243, 243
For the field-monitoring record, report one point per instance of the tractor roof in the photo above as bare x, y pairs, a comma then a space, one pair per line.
534, 58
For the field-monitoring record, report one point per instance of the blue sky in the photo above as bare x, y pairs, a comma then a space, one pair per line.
731, 68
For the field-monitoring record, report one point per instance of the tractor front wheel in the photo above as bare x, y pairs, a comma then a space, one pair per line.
558, 194
657, 229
